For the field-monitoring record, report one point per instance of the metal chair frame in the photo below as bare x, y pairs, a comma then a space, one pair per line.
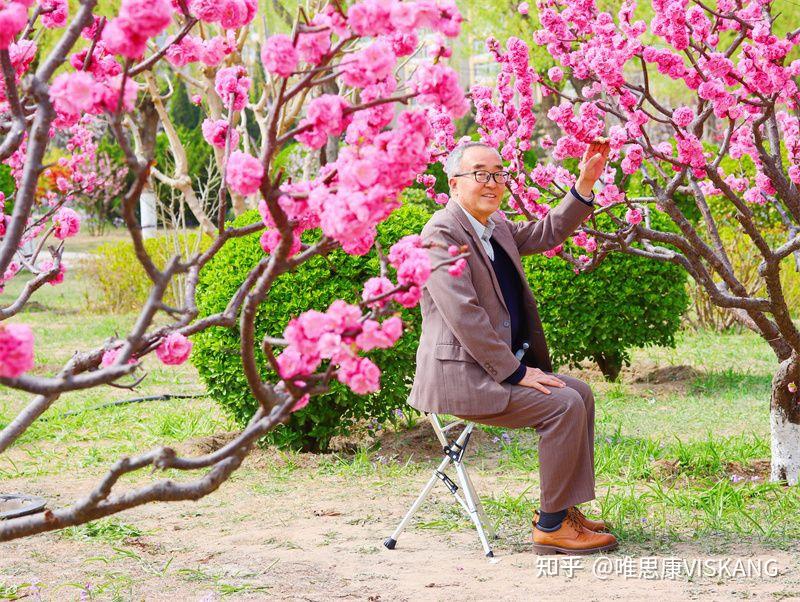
453, 454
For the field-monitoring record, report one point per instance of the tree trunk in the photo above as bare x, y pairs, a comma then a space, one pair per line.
610, 364
784, 413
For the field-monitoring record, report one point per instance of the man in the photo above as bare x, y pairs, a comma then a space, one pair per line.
482, 354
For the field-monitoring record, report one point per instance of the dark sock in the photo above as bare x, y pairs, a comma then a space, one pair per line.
550, 521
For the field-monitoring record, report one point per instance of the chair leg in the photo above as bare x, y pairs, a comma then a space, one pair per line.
474, 514
470, 500
479, 507
391, 542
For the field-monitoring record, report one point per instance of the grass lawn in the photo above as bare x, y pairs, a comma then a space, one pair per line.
682, 446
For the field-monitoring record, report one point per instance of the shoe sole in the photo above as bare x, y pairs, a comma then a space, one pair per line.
545, 549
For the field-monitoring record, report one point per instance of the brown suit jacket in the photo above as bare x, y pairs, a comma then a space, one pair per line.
465, 351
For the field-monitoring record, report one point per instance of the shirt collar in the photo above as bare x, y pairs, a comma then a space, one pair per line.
483, 232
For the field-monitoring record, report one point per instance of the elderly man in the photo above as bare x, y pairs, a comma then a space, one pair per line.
482, 354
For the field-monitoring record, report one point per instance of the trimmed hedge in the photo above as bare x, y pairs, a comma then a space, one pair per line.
313, 285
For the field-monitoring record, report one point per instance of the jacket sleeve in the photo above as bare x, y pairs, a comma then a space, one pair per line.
457, 302
557, 225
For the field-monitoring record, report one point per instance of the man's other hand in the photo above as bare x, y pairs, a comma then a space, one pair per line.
592, 165
536, 379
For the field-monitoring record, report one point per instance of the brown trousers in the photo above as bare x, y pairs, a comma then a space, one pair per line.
564, 420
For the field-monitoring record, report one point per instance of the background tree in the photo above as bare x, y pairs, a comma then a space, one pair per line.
112, 82
742, 80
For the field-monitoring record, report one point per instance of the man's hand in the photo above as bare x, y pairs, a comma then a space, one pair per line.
592, 165
536, 379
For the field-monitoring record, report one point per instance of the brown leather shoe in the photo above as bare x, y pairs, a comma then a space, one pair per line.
599, 526
572, 538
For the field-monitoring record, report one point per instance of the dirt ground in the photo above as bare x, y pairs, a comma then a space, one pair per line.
310, 535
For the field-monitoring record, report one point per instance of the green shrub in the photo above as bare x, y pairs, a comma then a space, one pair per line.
120, 283
627, 301
313, 285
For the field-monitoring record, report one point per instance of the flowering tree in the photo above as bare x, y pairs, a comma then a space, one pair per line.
742, 101
335, 76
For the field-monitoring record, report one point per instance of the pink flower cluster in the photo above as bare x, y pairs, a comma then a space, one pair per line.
54, 13
216, 131
13, 17
370, 177
66, 223
232, 85
370, 65
437, 84
243, 173
279, 56
210, 52
337, 335
16, 350
325, 117
229, 14
138, 20
174, 349
386, 17
47, 266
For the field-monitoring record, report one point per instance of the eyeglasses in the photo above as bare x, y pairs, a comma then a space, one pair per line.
482, 176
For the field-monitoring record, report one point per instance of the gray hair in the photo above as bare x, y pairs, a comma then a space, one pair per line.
453, 163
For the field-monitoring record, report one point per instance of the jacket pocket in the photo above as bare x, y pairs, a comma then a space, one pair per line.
452, 352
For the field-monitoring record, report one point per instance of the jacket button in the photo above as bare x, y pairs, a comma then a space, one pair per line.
506, 323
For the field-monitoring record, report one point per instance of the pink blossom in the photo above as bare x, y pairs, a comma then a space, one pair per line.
457, 268
236, 13
73, 93
633, 216
279, 55
550, 253
523, 8
437, 84
215, 132
326, 117
66, 223
301, 403
16, 350
209, 11
110, 357
119, 39
555, 74
146, 17
174, 349
54, 13
312, 46
232, 85
271, 238
243, 173
633, 159
217, 48
368, 65
361, 375
374, 336
792, 387
188, 50
375, 287
13, 17
683, 116
371, 17
46, 266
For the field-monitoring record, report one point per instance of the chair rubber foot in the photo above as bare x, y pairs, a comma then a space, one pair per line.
490, 554
390, 543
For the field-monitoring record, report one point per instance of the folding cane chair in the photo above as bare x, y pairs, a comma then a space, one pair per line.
453, 454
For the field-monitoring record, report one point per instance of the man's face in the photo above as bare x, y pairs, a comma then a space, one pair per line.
479, 199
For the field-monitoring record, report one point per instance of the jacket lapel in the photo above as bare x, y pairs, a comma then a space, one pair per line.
457, 212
